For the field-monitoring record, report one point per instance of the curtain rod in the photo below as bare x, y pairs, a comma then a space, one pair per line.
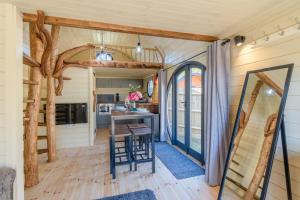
185, 60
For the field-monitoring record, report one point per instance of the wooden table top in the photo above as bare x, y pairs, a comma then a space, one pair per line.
119, 115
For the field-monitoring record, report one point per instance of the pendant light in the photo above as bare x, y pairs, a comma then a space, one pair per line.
103, 54
102, 42
139, 46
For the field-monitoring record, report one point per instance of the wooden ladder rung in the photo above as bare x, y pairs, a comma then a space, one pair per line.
27, 60
41, 111
41, 151
67, 78
28, 100
30, 82
42, 137
41, 124
236, 172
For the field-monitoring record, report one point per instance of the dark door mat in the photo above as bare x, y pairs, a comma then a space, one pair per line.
179, 164
138, 195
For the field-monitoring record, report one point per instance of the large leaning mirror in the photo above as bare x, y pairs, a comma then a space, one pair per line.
255, 133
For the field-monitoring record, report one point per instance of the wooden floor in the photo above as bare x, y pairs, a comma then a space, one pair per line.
83, 173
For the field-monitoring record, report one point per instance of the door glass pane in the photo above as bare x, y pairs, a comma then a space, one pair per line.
170, 108
180, 94
195, 115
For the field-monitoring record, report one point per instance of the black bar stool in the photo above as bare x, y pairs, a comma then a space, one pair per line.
136, 126
141, 148
122, 148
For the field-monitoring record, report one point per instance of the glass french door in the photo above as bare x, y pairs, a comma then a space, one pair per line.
187, 106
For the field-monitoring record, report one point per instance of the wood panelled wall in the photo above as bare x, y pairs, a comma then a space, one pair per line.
2, 88
77, 90
284, 51
11, 97
201, 59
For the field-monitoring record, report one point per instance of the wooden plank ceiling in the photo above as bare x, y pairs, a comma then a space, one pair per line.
193, 16
175, 50
216, 17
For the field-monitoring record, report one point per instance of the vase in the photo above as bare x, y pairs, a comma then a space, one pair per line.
132, 106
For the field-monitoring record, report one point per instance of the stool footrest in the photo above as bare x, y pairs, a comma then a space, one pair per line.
135, 126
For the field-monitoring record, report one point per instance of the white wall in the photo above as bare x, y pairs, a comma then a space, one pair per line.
11, 94
284, 51
202, 59
76, 90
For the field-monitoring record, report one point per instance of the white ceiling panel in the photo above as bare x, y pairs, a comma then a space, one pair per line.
212, 17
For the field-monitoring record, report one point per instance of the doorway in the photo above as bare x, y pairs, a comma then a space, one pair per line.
185, 108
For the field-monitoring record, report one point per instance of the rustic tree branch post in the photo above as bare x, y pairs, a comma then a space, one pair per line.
263, 158
60, 65
50, 106
245, 116
32, 112
48, 63
268, 81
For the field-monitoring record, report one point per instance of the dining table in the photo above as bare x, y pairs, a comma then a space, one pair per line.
119, 116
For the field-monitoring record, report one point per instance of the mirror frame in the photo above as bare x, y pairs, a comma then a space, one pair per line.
289, 68
148, 92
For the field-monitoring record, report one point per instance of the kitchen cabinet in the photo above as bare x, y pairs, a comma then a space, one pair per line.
117, 82
103, 120
103, 83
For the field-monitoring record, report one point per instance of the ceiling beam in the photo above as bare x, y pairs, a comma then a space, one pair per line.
60, 21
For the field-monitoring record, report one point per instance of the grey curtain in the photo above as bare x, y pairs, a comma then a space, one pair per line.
162, 91
216, 112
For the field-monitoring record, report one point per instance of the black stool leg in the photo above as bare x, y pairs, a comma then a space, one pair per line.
110, 155
140, 143
135, 153
147, 146
130, 152
113, 158
153, 152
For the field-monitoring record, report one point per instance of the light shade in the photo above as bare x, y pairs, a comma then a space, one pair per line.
103, 55
239, 40
139, 48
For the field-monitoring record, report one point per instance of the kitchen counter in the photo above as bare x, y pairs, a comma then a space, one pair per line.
152, 107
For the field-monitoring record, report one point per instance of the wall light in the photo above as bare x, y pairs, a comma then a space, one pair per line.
239, 40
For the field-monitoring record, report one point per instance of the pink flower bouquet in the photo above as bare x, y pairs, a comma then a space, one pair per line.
134, 94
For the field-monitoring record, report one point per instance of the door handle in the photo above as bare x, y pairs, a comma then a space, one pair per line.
184, 102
